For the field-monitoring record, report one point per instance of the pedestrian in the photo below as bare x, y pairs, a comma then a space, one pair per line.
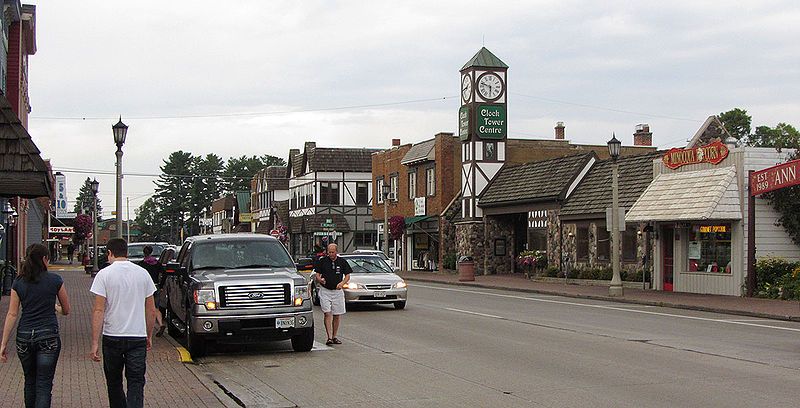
332, 273
38, 343
125, 311
70, 252
155, 269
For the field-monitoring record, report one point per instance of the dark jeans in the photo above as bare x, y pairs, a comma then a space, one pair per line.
130, 354
38, 352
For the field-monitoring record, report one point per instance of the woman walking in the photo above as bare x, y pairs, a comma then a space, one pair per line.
38, 343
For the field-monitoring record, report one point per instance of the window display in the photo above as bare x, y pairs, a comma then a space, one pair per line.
709, 248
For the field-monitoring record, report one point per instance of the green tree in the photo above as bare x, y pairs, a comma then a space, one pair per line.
149, 218
206, 187
85, 198
240, 170
737, 122
781, 136
173, 188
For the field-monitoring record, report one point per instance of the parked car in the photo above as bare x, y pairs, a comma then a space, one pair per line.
372, 281
135, 250
237, 288
383, 256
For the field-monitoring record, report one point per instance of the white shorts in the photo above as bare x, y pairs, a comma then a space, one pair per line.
331, 301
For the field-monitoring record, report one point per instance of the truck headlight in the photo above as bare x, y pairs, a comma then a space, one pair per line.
301, 292
400, 285
205, 297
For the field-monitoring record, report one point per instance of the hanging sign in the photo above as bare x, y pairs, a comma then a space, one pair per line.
713, 153
463, 123
61, 196
774, 178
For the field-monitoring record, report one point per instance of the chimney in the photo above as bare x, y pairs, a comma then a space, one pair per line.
294, 152
643, 136
309, 146
559, 130
395, 142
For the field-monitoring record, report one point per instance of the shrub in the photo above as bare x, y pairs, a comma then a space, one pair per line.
778, 278
449, 261
551, 272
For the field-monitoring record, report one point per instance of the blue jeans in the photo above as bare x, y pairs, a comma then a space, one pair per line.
38, 352
130, 354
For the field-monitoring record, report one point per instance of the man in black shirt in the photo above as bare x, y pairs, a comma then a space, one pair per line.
332, 274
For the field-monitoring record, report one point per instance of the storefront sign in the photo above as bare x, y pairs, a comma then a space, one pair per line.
329, 224
419, 206
246, 217
61, 196
327, 234
705, 229
463, 123
713, 153
491, 121
774, 178
61, 230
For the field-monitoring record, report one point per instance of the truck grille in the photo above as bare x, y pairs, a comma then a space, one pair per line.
378, 287
253, 296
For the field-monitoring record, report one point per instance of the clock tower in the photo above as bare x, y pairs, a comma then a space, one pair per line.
482, 126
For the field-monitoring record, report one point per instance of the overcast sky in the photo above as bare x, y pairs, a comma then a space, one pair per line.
260, 77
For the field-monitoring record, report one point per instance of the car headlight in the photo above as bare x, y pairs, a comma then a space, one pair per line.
353, 285
205, 297
400, 285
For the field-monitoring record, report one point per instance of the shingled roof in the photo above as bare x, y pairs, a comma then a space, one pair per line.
534, 182
341, 159
422, 151
485, 59
22, 171
593, 194
276, 178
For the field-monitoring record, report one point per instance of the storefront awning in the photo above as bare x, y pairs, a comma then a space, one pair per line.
687, 196
418, 218
22, 171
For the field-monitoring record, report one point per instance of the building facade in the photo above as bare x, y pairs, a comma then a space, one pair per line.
269, 203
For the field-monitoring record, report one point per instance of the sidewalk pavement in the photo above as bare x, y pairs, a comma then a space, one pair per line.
755, 307
79, 382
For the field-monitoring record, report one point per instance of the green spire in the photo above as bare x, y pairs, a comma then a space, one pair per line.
484, 59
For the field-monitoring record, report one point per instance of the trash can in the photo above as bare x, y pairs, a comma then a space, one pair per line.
466, 269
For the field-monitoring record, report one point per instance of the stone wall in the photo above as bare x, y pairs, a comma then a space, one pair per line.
499, 227
470, 242
569, 247
553, 239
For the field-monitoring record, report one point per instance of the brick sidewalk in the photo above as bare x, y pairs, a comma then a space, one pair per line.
79, 382
767, 308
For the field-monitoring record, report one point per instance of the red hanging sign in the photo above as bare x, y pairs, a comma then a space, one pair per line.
713, 153
775, 177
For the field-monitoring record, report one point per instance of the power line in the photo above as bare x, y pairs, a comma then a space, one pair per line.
245, 114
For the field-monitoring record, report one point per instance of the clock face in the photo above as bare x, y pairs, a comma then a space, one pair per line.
490, 86
466, 88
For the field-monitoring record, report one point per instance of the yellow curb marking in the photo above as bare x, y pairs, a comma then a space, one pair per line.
185, 356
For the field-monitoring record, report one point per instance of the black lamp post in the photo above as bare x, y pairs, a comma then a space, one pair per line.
385, 191
120, 131
95, 188
615, 289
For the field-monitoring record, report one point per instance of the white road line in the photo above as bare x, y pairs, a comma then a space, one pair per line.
622, 309
475, 313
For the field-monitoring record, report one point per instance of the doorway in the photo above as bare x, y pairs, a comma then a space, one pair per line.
667, 246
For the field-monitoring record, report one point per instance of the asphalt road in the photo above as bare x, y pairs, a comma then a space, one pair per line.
464, 347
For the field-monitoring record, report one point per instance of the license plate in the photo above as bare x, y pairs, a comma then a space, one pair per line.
284, 322
380, 294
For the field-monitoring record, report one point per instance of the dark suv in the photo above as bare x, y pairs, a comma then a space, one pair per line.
237, 288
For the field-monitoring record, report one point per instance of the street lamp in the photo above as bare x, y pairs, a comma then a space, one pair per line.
95, 187
615, 289
120, 131
385, 191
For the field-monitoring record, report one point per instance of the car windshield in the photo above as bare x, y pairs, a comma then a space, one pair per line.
240, 254
136, 250
368, 264
376, 253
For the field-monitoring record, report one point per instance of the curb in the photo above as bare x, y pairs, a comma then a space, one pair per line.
186, 358
613, 299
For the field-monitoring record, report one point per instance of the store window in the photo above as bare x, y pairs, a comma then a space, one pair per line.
365, 239
329, 192
710, 248
537, 239
362, 193
582, 243
629, 244
603, 244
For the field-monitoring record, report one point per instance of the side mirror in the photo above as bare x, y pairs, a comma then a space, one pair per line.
174, 268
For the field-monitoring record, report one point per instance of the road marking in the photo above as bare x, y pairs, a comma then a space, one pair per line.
561, 302
475, 313
184, 355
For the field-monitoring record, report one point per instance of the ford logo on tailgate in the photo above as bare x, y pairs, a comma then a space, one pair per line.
255, 295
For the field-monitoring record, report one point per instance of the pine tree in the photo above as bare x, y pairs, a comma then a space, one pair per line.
85, 198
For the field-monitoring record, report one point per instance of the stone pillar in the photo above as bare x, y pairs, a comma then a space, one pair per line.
499, 227
470, 242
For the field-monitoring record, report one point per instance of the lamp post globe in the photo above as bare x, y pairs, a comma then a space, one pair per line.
615, 289
120, 131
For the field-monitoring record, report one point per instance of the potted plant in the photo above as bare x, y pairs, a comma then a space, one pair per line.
531, 261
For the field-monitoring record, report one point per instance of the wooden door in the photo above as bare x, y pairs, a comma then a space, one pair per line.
667, 267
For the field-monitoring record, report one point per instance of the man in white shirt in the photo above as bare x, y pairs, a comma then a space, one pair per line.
125, 311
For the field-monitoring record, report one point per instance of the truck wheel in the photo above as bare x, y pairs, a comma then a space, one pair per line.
172, 330
195, 343
303, 341
400, 305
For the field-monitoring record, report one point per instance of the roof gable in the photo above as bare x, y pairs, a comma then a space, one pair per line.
420, 152
546, 180
712, 129
593, 194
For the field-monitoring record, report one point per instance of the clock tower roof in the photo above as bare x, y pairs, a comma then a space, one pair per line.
484, 59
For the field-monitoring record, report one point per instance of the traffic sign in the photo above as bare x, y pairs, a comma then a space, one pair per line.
275, 233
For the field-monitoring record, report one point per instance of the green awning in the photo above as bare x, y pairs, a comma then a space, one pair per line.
412, 220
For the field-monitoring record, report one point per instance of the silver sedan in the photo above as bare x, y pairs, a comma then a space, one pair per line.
372, 281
